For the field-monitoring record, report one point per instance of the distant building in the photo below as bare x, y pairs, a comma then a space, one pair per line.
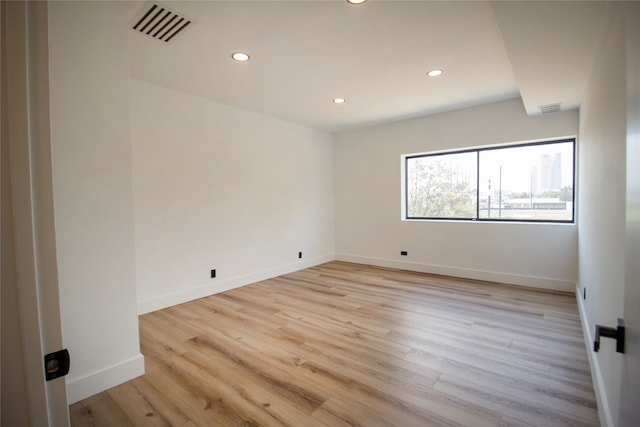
550, 171
547, 203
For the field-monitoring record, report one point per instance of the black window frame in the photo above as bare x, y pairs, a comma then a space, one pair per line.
478, 150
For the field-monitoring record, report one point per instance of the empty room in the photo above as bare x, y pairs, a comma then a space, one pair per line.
320, 213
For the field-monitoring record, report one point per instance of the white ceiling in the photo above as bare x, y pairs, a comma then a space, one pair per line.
375, 55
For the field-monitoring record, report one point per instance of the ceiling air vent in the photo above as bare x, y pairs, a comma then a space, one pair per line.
550, 108
160, 23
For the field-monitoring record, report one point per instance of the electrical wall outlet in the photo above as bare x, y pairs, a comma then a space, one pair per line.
299, 254
403, 253
213, 273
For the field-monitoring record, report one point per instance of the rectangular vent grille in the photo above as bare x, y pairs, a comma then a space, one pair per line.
550, 108
161, 23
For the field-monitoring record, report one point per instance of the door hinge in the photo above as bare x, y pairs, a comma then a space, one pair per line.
56, 364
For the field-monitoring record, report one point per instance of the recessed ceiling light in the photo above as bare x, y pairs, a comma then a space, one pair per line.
356, 1
434, 73
339, 100
240, 56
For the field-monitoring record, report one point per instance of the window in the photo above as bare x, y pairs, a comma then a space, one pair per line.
528, 182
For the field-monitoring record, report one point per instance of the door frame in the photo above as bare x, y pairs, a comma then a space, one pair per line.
629, 412
25, 78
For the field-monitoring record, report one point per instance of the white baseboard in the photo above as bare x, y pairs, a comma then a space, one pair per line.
604, 411
181, 297
467, 273
97, 382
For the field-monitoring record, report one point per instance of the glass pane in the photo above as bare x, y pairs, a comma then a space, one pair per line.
442, 186
531, 183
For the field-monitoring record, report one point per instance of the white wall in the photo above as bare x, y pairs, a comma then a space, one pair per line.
217, 187
602, 159
91, 150
369, 228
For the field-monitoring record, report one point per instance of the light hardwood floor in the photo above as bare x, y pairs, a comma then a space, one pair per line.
351, 345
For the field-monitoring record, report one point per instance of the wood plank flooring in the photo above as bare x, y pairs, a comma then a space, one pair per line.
350, 345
